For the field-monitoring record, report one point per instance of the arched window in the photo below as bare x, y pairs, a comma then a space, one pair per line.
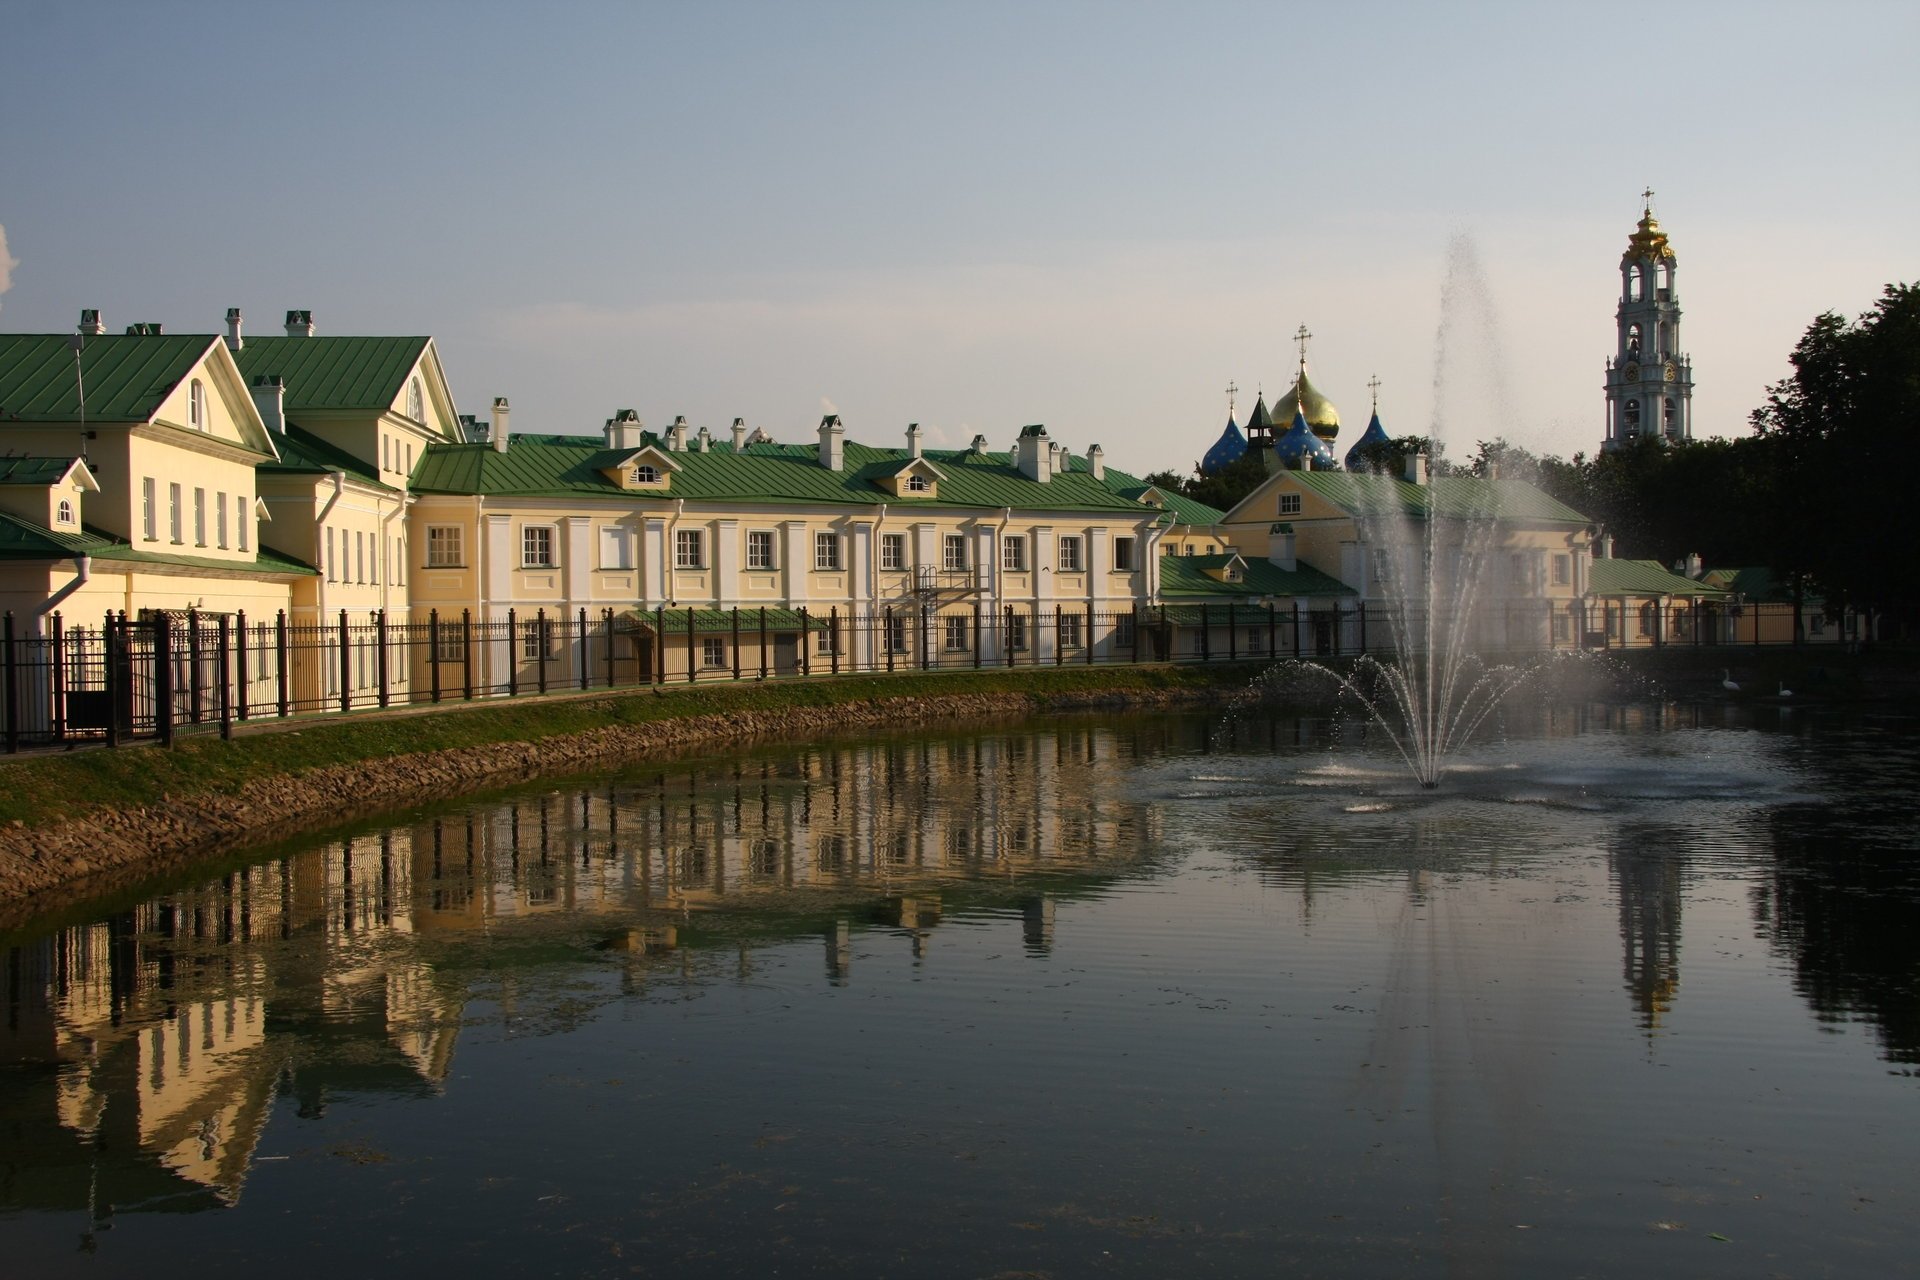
646, 475
1648, 618
64, 512
1632, 416
197, 406
1633, 342
416, 403
917, 484
1633, 285
1672, 418
1666, 340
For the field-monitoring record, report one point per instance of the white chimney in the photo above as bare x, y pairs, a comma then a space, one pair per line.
739, 434
91, 323
833, 442
1694, 567
706, 440
1417, 468
1033, 454
979, 446
1606, 546
269, 397
915, 449
623, 430
233, 329
299, 324
1097, 461
1280, 547
677, 434
499, 435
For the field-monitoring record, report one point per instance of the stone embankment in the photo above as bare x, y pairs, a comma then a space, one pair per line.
42, 868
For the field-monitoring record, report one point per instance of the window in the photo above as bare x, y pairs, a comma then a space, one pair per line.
713, 652
243, 517
1633, 342
149, 517
1016, 631
329, 566
689, 549
1632, 416
409, 457
173, 513
953, 553
199, 517
451, 644
64, 514
893, 551
220, 520
386, 453
1562, 570
1123, 631
895, 627
616, 547
1071, 632
826, 640
826, 551
646, 475
759, 549
1123, 554
197, 406
1013, 554
1070, 561
1289, 504
533, 644
536, 546
1562, 628
919, 484
955, 625
445, 547
1256, 640
359, 565
1672, 419
416, 403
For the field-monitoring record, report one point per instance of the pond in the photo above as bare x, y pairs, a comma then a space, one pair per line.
1637, 989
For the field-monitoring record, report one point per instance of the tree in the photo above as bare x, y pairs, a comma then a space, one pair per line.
1846, 428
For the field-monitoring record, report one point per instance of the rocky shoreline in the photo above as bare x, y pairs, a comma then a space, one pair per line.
43, 869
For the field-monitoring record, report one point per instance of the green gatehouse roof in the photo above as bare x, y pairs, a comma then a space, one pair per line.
127, 376
1185, 579
1643, 578
1449, 497
333, 373
780, 474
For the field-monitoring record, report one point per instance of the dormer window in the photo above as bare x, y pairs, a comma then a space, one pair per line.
416, 402
644, 474
197, 405
919, 484
64, 512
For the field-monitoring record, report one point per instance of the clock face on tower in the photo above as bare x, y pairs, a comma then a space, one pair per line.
1630, 372
1670, 372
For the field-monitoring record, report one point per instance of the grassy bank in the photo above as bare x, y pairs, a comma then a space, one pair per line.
36, 790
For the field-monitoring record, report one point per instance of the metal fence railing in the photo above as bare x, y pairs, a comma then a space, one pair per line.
145, 677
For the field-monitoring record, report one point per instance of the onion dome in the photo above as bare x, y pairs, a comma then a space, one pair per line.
1648, 240
1300, 449
1227, 450
1305, 400
1375, 434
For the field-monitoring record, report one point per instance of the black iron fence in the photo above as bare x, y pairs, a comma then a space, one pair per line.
149, 676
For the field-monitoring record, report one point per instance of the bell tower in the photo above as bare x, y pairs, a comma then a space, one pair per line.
1649, 380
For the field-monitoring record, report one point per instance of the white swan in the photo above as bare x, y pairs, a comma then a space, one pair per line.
1784, 691
1726, 681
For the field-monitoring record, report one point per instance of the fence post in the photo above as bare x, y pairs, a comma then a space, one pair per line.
225, 673
346, 664
194, 683
433, 650
976, 635
806, 642
540, 632
466, 654
693, 665
1006, 634
764, 642
110, 676
240, 655
513, 654
11, 693
380, 653
586, 652
1133, 635
163, 679
606, 641
1059, 639
1086, 636
736, 642
281, 680
833, 637
886, 636
660, 644
59, 679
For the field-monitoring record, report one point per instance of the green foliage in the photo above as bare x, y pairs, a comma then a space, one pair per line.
1226, 487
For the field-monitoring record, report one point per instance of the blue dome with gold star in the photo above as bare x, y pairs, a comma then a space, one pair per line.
1227, 450
1300, 449
1375, 434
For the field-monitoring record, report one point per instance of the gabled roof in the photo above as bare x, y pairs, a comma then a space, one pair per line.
1755, 582
913, 464
305, 453
1185, 578
1643, 578
567, 466
24, 540
1181, 509
127, 376
44, 473
1449, 497
334, 373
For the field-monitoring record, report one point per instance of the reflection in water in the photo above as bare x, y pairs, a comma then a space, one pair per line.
1185, 942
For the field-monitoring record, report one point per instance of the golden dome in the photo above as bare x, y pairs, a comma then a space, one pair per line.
1648, 241
1320, 413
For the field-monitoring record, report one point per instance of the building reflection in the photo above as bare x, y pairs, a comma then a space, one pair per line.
1649, 875
146, 1052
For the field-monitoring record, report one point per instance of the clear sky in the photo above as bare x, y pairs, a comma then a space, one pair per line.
973, 215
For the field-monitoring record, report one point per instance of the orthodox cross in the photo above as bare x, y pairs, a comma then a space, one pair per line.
1647, 196
1231, 388
1301, 338
1373, 384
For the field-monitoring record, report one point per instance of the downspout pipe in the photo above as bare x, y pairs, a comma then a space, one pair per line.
319, 526
83, 571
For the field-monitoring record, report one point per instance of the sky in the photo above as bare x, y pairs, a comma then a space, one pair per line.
973, 216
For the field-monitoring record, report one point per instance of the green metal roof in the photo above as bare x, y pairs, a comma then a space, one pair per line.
1643, 578
126, 376
569, 466
1449, 497
333, 373
1184, 510
35, 473
674, 621
1186, 578
1754, 582
307, 454
24, 540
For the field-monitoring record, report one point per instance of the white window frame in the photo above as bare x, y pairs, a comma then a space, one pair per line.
1017, 632
220, 520
689, 548
150, 508
760, 549
176, 527
826, 551
957, 633
646, 474
63, 514
1013, 553
446, 546
243, 519
893, 630
713, 652
893, 551
1289, 504
416, 401
1072, 631
1071, 559
539, 546
197, 405
619, 539
919, 484
1123, 555
199, 516
1123, 631
953, 552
